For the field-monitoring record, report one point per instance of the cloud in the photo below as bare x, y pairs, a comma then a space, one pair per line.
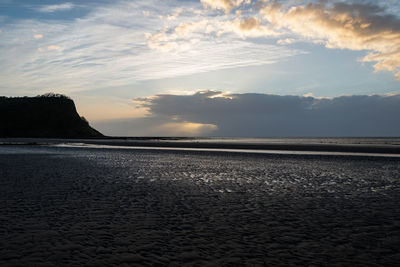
55, 8
53, 47
222, 114
153, 126
210, 27
225, 5
117, 45
285, 41
248, 27
38, 36
355, 26
185, 34
187, 29
175, 15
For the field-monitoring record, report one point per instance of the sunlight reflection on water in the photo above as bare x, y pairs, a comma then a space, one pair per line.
257, 151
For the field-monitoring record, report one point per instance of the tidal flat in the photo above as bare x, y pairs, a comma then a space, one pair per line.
74, 206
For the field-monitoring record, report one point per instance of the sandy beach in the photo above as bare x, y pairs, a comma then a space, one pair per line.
68, 206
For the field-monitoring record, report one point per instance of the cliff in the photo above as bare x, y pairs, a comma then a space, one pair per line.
50, 115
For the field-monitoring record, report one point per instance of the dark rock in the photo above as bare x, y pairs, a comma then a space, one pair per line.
49, 115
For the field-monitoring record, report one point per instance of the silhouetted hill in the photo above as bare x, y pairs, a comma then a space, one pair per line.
50, 115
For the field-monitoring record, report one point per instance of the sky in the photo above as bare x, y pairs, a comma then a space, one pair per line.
210, 67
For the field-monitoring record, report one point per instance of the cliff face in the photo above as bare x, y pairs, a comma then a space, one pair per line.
50, 116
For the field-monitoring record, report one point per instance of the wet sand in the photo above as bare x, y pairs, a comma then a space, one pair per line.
355, 145
78, 206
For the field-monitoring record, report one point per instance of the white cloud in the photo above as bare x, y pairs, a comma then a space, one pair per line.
350, 25
286, 41
248, 27
53, 47
186, 30
55, 8
174, 16
354, 26
38, 36
108, 48
225, 5
183, 34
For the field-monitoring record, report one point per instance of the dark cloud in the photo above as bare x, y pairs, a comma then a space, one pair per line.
251, 115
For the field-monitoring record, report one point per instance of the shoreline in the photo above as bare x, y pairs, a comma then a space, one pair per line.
192, 143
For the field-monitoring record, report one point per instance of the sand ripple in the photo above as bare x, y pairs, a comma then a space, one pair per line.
101, 207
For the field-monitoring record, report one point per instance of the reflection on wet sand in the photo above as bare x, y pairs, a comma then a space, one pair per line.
74, 206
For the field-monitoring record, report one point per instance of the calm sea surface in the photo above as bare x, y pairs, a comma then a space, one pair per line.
303, 140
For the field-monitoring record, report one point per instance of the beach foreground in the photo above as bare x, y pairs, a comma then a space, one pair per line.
85, 206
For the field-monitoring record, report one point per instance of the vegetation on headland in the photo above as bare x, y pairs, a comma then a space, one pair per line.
50, 115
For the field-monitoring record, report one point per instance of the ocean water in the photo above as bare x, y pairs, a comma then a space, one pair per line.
300, 140
391, 141
77, 205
